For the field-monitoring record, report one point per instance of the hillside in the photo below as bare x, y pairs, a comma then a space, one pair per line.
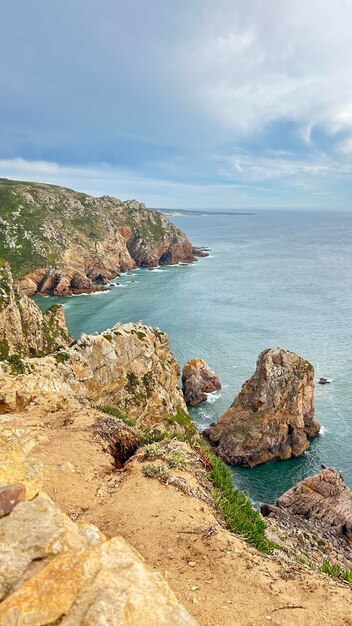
61, 241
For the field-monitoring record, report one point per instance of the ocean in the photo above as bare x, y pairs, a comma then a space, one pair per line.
272, 278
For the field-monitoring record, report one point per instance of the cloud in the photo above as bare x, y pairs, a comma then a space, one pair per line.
151, 91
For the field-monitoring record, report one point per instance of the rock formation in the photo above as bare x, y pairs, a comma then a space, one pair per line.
56, 571
316, 517
273, 415
61, 242
24, 329
198, 380
129, 366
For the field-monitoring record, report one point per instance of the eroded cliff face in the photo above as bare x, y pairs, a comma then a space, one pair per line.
129, 367
273, 415
56, 571
61, 242
24, 329
315, 519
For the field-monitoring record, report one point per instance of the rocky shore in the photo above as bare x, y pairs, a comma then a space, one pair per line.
62, 242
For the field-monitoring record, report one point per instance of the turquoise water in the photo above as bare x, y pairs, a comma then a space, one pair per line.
272, 279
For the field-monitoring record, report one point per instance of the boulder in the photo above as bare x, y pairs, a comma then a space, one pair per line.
273, 415
56, 571
198, 380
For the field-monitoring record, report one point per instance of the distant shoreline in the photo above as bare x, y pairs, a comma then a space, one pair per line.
182, 212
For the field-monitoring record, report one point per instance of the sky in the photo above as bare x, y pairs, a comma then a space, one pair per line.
185, 104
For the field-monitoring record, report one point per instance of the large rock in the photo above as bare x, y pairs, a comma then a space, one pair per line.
314, 519
273, 415
198, 380
56, 571
324, 497
24, 329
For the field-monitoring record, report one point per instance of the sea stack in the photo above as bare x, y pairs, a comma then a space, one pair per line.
198, 380
273, 415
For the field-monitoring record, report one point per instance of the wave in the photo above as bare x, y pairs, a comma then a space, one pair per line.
213, 397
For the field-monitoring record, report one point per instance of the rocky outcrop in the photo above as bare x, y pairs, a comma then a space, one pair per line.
198, 380
56, 571
129, 367
24, 329
315, 516
60, 242
273, 415
324, 497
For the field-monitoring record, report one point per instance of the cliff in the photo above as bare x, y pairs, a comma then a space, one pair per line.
129, 367
273, 415
24, 329
60, 241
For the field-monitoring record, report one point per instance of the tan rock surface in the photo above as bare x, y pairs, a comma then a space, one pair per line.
24, 329
273, 415
129, 366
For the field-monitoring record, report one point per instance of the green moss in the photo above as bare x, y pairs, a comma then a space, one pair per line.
4, 350
17, 365
183, 419
62, 357
108, 337
132, 382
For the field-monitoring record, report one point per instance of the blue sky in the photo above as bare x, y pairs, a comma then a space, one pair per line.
189, 104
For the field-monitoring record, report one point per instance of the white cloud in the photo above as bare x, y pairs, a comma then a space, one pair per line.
252, 63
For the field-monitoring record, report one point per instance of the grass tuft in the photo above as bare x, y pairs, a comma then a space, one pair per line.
111, 410
334, 570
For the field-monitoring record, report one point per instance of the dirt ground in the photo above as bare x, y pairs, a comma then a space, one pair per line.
219, 578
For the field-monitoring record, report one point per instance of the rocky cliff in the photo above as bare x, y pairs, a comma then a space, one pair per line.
60, 241
24, 329
315, 518
129, 367
273, 415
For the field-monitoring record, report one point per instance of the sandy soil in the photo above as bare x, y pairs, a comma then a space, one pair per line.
216, 575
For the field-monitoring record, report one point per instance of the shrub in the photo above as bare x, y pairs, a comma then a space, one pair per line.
111, 410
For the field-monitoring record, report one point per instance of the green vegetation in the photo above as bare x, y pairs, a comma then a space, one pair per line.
132, 381
4, 349
236, 509
39, 219
183, 419
111, 410
17, 365
62, 357
160, 471
334, 570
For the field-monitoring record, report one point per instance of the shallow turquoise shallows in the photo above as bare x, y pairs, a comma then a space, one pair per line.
272, 279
